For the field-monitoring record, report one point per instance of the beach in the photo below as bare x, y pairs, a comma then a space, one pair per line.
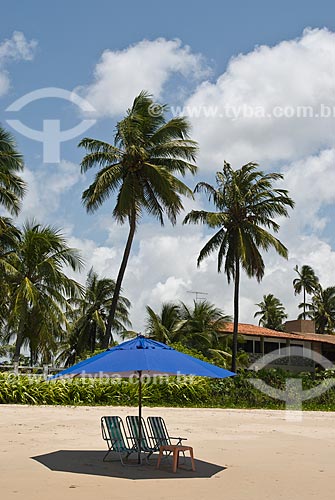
55, 452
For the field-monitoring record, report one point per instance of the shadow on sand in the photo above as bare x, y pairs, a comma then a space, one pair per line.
91, 462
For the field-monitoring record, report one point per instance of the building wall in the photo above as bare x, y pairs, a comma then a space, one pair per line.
254, 346
300, 325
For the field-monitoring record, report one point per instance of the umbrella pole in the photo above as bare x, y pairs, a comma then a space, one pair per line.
139, 415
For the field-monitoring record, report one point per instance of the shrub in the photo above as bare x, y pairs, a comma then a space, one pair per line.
234, 392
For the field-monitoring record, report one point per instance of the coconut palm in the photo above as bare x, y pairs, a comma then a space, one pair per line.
272, 313
246, 203
201, 328
12, 187
9, 237
321, 309
90, 314
139, 169
307, 283
4, 299
163, 326
39, 288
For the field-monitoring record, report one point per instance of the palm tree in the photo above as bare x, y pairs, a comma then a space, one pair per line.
246, 203
9, 238
139, 168
12, 187
321, 309
4, 299
272, 313
201, 328
39, 288
90, 314
162, 327
307, 282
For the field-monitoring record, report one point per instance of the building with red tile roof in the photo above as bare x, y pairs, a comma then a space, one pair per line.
258, 341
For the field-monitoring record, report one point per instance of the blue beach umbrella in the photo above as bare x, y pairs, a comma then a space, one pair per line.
142, 356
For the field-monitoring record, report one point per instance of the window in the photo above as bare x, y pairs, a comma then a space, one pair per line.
249, 346
299, 348
257, 347
270, 347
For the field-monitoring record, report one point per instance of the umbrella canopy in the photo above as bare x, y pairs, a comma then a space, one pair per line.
146, 356
141, 356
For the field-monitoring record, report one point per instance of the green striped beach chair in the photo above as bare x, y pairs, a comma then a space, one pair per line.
159, 433
146, 445
114, 434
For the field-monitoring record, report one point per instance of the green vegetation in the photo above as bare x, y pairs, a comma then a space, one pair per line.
235, 392
246, 204
12, 187
307, 282
38, 289
198, 329
141, 166
272, 313
321, 307
88, 317
57, 320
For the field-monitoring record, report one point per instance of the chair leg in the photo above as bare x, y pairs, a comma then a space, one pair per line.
159, 458
175, 460
108, 452
192, 459
122, 462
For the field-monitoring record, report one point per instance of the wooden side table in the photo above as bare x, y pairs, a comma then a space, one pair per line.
175, 449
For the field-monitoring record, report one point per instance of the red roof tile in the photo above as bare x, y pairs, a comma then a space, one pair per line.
259, 331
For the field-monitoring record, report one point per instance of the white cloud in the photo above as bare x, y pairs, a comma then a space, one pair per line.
310, 182
103, 259
283, 78
46, 186
162, 265
17, 48
120, 75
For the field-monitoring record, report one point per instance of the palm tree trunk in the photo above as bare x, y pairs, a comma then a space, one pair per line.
108, 334
18, 345
31, 354
236, 306
304, 303
93, 337
19, 337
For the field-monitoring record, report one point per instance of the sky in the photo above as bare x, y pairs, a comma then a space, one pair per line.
257, 82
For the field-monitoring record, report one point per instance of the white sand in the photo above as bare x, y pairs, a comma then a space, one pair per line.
254, 455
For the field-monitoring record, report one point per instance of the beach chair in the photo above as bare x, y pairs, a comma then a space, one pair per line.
114, 434
146, 445
159, 433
